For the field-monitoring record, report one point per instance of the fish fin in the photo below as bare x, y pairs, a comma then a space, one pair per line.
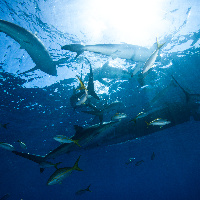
159, 45
5, 125
133, 120
115, 54
78, 128
76, 167
91, 84
35, 158
82, 87
56, 165
137, 68
62, 61
88, 188
76, 142
30, 70
78, 48
41, 170
187, 94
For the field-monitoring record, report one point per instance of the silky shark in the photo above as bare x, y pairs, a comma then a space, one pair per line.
124, 51
32, 44
109, 133
118, 132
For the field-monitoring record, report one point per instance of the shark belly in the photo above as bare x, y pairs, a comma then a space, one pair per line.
124, 51
32, 45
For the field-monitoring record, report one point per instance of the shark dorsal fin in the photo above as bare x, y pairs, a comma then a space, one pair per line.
78, 128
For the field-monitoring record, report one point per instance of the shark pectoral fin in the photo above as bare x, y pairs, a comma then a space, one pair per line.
137, 68
30, 70
115, 54
78, 129
61, 61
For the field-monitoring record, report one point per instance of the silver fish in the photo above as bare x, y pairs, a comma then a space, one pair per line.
7, 146
151, 60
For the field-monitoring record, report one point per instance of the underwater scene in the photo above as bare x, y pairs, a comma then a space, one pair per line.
99, 99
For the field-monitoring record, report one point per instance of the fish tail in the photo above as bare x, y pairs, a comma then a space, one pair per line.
5, 125
147, 123
159, 45
78, 48
88, 188
82, 87
76, 142
56, 165
76, 167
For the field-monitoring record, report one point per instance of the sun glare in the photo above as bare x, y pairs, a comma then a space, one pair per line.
127, 21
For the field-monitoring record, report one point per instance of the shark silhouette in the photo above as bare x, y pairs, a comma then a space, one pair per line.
32, 44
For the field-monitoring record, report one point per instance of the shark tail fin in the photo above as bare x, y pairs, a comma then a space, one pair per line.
76, 167
30, 70
159, 45
78, 48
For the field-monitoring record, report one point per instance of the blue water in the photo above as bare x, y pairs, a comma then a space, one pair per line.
37, 105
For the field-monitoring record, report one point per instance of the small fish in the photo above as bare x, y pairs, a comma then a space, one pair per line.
151, 60
140, 115
130, 161
60, 174
22, 145
64, 139
139, 162
4, 125
158, 122
7, 146
152, 156
82, 191
83, 99
119, 116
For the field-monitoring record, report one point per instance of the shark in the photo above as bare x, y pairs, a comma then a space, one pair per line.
114, 132
85, 136
32, 44
124, 51
90, 91
109, 72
